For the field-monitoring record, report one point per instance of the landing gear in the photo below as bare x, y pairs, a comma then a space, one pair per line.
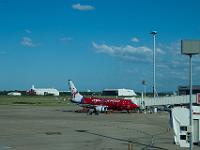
128, 111
90, 111
93, 110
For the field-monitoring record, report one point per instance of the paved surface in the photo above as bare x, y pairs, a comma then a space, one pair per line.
59, 128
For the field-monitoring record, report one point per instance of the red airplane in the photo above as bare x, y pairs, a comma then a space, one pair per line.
100, 104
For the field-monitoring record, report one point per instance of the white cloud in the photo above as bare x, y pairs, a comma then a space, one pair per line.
171, 66
66, 39
197, 68
163, 66
127, 52
160, 51
196, 59
28, 42
82, 7
2, 52
103, 48
134, 39
28, 31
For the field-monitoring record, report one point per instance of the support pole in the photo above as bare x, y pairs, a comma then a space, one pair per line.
154, 66
154, 62
191, 113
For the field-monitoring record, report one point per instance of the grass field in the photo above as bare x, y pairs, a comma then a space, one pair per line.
40, 100
35, 100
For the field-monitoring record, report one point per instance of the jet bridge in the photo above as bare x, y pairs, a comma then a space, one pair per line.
164, 101
181, 127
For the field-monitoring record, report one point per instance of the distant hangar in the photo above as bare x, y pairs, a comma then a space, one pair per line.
119, 92
185, 90
14, 94
43, 91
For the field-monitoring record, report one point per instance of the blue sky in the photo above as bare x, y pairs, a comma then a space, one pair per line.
96, 43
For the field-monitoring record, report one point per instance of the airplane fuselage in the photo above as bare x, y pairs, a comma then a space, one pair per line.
100, 104
111, 103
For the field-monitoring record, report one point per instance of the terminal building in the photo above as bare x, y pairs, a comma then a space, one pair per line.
185, 90
43, 91
119, 92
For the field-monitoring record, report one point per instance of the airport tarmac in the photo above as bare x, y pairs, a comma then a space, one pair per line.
59, 128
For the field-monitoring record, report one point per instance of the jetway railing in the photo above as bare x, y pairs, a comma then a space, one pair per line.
161, 101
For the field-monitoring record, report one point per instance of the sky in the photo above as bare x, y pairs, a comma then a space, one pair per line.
97, 44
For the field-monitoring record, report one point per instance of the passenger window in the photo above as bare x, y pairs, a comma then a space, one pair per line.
182, 137
183, 128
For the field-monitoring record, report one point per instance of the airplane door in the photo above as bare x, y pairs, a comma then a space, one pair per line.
195, 130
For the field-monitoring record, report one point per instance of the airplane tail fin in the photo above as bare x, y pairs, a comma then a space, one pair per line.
76, 96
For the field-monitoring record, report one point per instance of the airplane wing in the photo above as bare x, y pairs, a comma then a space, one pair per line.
87, 105
98, 108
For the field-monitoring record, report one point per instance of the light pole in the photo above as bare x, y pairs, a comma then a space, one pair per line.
191, 117
190, 48
144, 84
154, 62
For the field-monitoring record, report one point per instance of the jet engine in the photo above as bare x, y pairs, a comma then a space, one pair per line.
101, 108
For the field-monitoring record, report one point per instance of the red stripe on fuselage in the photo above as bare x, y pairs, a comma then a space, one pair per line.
74, 94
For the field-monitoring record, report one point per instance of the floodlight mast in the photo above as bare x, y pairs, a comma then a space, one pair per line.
190, 47
191, 112
154, 62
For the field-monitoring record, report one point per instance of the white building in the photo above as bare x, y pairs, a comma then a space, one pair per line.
119, 92
43, 91
14, 94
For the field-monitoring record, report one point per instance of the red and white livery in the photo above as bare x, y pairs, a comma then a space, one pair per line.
101, 104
